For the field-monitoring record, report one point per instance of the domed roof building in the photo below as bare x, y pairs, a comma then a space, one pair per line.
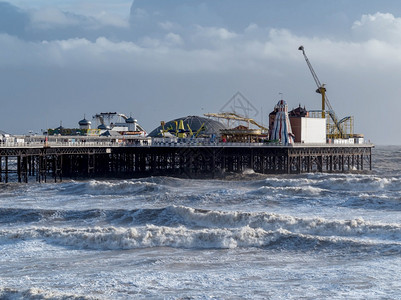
84, 124
210, 126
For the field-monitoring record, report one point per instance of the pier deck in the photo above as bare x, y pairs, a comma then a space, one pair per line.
109, 159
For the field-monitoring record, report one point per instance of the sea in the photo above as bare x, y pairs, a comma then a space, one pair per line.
248, 236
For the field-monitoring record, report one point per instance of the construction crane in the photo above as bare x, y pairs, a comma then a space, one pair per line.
234, 116
336, 130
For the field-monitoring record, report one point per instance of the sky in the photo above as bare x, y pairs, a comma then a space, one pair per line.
156, 60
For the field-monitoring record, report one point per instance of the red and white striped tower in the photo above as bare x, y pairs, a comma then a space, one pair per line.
282, 128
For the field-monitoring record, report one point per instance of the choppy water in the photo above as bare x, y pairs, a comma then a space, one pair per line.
254, 237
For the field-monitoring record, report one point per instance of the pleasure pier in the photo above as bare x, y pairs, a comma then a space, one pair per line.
294, 142
50, 159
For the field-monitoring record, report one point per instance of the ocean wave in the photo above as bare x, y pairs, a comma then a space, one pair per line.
273, 221
311, 184
19, 215
117, 238
110, 187
336, 182
79, 188
122, 187
219, 226
385, 201
175, 216
345, 190
301, 191
363, 183
146, 186
38, 294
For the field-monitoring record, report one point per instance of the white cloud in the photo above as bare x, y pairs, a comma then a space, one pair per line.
167, 25
108, 19
234, 51
214, 32
379, 26
173, 39
252, 27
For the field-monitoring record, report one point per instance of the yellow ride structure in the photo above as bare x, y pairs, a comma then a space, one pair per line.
180, 130
233, 116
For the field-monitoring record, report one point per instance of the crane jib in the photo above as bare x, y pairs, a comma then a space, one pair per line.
325, 101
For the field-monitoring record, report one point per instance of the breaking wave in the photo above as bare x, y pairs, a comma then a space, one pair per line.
345, 190
117, 238
111, 187
336, 182
201, 218
192, 217
183, 227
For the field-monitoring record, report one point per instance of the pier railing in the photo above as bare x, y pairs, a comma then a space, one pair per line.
64, 144
133, 141
163, 144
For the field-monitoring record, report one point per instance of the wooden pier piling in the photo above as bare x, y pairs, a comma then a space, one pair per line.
190, 161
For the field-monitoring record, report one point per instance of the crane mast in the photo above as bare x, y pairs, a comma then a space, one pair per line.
325, 101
